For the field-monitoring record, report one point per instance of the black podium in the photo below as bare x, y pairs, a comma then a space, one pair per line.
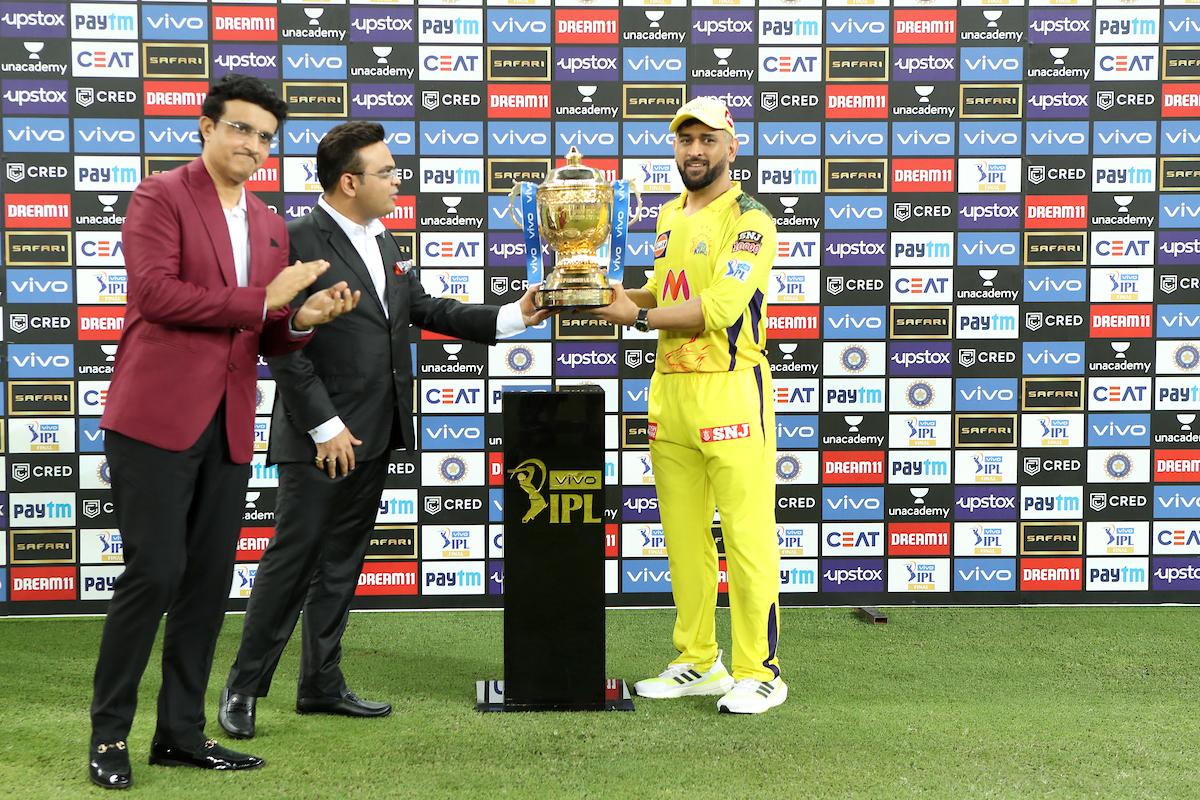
553, 557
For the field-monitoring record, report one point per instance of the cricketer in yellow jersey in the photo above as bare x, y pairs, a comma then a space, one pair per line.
711, 417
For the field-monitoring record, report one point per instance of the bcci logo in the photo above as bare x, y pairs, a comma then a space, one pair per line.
920, 394
1118, 466
452, 469
854, 359
1187, 357
519, 360
787, 468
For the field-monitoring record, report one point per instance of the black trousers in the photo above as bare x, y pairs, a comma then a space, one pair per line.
179, 515
322, 528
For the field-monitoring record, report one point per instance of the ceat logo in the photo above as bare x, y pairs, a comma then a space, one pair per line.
37, 211
856, 102
676, 286
245, 24
403, 216
1051, 574
387, 579
585, 27
793, 322
265, 178
918, 539
1177, 465
524, 101
1118, 321
852, 466
925, 27
101, 323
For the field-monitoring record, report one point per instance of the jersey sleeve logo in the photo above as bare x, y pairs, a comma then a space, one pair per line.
748, 242
737, 269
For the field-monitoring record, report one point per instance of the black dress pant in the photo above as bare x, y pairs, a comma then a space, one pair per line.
179, 515
322, 528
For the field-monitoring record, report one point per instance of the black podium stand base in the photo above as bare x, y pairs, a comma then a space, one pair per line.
489, 696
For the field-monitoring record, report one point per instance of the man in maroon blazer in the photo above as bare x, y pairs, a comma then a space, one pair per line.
209, 289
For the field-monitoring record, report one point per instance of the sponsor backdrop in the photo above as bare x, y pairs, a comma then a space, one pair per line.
985, 308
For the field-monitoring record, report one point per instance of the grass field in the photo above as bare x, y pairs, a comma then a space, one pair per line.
965, 703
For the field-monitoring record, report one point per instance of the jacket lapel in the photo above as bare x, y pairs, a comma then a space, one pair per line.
204, 195
394, 282
261, 252
341, 245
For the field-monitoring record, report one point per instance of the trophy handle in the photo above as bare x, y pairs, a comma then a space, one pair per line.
513, 194
636, 214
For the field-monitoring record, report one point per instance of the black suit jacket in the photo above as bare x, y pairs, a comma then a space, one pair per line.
358, 367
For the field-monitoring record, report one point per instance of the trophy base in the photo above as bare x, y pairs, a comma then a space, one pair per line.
573, 297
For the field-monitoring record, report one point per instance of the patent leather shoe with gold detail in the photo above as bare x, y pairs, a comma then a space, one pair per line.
209, 755
108, 766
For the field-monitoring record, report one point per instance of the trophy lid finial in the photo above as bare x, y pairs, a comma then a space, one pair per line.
574, 157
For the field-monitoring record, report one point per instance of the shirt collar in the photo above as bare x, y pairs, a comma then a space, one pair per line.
240, 209
349, 226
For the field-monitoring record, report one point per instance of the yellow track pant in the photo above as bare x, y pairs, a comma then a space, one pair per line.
713, 445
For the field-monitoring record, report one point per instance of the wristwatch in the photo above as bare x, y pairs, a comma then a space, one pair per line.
642, 323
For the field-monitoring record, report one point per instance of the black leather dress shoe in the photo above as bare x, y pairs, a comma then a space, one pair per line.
209, 755
236, 714
109, 766
348, 705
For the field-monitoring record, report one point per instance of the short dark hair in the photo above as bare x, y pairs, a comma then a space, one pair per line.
337, 152
235, 86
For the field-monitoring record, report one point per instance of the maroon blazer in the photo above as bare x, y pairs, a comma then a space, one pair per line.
192, 336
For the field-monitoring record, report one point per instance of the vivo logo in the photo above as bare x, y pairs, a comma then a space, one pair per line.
919, 138
534, 139
1055, 138
988, 138
850, 137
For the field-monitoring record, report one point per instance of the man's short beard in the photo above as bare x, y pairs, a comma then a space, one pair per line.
705, 180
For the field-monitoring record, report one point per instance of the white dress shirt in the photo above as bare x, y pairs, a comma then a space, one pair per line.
239, 236
509, 322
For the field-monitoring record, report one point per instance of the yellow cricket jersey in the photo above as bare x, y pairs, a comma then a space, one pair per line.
723, 253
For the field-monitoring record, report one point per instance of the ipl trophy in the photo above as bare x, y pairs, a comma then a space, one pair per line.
575, 208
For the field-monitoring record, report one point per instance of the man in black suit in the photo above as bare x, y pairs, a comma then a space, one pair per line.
342, 404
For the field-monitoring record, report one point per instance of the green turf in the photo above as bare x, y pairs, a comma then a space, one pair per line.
1022, 703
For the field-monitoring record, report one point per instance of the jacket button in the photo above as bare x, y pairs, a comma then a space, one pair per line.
232, 366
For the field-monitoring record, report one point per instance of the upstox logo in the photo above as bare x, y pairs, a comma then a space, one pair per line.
570, 495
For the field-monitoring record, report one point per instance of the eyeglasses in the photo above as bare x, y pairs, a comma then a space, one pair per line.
390, 174
246, 131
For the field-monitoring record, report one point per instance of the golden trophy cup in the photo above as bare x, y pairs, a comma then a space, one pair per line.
575, 213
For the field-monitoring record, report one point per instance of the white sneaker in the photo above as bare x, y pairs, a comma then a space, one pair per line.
750, 696
681, 680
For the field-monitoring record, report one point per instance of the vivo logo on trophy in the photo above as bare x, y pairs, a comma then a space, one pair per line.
575, 209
